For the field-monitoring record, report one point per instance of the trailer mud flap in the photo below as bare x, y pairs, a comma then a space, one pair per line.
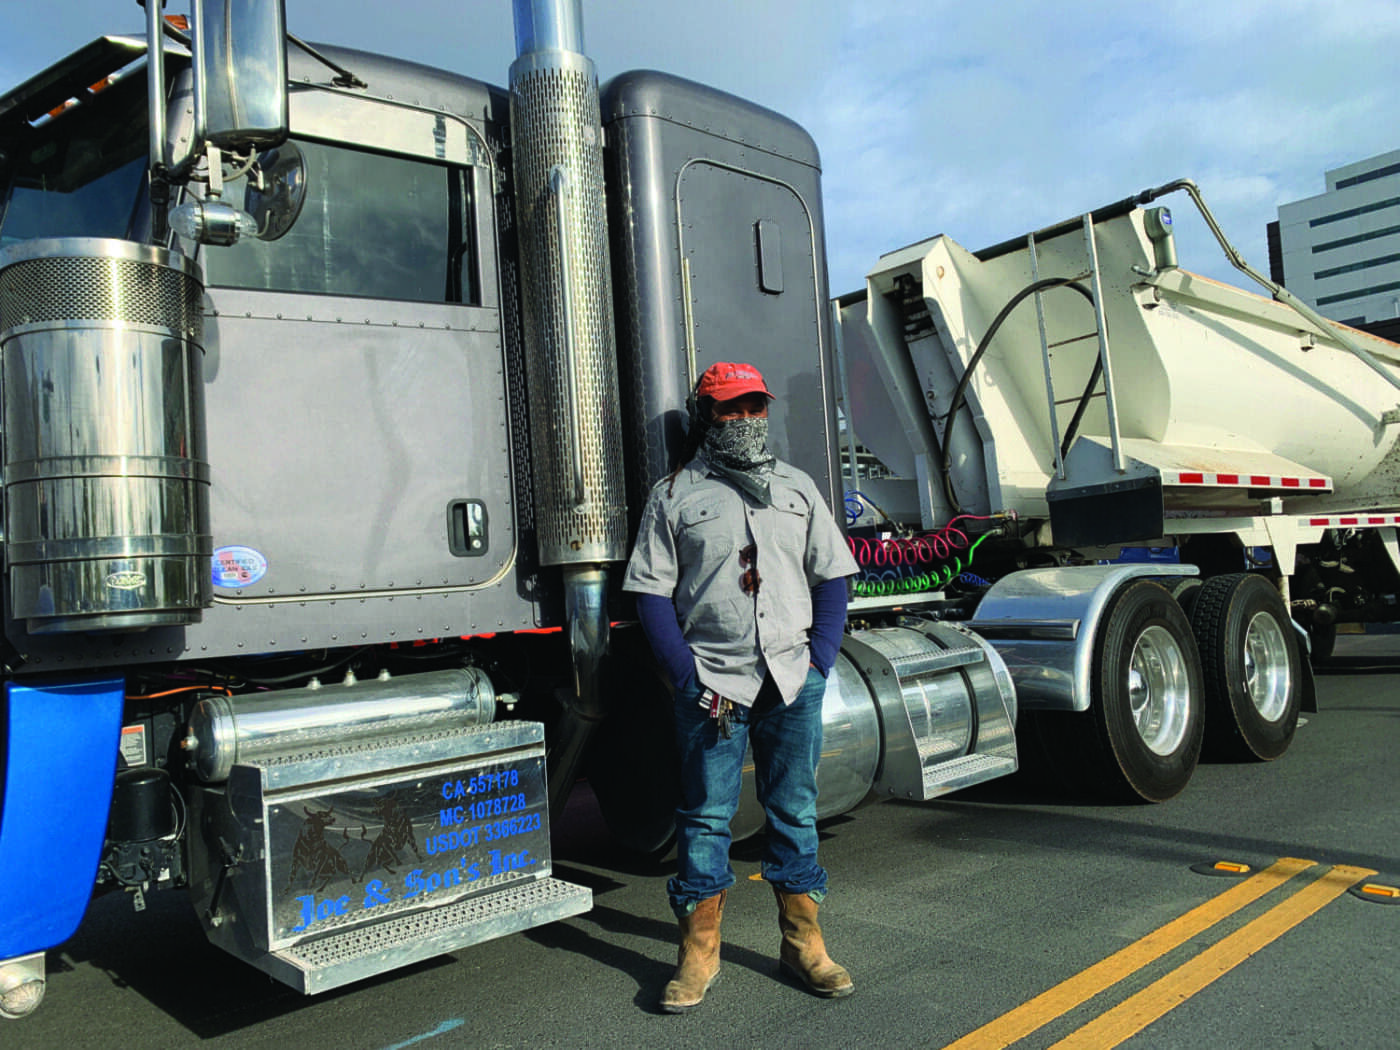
58, 755
1110, 513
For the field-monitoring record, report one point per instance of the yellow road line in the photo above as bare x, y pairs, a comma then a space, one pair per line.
1136, 1013
1083, 986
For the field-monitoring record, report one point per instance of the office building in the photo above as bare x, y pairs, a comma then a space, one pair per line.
1340, 251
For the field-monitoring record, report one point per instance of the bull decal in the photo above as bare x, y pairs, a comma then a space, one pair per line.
312, 855
395, 835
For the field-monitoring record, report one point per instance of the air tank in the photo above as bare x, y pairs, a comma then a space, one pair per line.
227, 730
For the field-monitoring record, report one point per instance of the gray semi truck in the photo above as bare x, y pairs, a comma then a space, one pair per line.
333, 386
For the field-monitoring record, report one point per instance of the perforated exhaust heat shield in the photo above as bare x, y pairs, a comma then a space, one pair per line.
571, 354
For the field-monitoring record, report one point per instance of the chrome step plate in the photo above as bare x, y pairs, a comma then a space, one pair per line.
964, 772
323, 963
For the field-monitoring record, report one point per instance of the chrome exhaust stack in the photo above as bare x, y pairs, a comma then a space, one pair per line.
570, 347
571, 352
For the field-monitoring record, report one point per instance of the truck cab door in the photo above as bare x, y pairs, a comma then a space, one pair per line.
357, 394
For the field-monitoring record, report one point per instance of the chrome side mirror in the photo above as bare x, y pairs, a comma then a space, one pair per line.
272, 200
276, 190
240, 66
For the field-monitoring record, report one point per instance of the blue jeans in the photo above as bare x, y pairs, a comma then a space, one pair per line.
787, 741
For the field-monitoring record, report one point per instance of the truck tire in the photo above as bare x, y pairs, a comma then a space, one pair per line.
633, 766
1253, 667
1146, 716
1186, 590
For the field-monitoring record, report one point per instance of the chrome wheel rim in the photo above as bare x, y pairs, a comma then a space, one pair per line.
1268, 678
1159, 690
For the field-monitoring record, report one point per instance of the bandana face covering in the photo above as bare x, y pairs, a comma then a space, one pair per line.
738, 449
741, 444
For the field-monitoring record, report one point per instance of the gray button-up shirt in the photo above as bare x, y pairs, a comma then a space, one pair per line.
693, 546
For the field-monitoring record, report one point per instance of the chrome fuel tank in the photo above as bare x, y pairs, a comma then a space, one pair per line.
909, 712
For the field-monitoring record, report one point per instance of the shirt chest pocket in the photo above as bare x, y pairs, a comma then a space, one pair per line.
703, 538
790, 523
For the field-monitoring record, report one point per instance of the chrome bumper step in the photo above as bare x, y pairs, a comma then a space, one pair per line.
323, 963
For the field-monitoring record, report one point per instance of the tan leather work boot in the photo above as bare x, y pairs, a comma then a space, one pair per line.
697, 965
804, 952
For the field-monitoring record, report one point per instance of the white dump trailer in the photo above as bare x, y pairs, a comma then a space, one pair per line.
1119, 410
1217, 398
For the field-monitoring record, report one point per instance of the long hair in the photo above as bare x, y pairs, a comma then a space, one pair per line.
701, 409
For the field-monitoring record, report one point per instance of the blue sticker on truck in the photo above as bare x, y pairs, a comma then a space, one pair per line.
238, 567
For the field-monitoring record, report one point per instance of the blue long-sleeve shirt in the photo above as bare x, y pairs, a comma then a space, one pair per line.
663, 630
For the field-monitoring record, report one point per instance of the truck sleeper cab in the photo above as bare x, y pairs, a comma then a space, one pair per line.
367, 677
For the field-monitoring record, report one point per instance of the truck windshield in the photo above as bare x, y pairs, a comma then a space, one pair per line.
77, 174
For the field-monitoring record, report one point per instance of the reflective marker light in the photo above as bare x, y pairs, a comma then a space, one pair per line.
1233, 867
1230, 868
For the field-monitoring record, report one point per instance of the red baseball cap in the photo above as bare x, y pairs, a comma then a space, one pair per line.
726, 380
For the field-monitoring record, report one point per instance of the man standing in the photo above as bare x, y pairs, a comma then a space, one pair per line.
739, 572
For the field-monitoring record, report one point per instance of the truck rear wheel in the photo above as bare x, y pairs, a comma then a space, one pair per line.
1253, 668
1146, 721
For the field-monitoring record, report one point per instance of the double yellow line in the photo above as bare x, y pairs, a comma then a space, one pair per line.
1138, 1011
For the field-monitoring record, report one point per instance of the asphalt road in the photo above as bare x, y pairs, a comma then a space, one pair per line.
1003, 916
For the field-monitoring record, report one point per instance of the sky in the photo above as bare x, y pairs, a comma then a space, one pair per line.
982, 120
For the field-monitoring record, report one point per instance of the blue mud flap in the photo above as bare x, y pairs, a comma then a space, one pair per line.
58, 755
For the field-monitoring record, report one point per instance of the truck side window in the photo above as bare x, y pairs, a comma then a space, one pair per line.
373, 225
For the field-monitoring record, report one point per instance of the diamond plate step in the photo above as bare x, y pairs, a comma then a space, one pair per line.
328, 962
911, 664
964, 772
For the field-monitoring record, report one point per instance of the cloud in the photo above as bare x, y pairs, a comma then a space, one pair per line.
986, 122
983, 121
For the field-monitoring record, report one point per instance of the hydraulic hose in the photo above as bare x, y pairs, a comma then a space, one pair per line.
1070, 431
1278, 291
960, 392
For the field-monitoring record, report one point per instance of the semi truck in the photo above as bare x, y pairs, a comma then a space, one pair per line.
331, 389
